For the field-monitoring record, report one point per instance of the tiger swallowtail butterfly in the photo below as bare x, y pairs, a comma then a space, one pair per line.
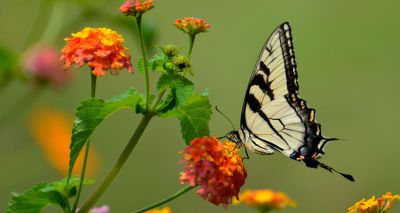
274, 117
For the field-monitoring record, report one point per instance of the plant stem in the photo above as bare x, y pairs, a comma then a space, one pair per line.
20, 106
93, 87
55, 23
146, 71
93, 95
82, 177
118, 165
191, 40
166, 200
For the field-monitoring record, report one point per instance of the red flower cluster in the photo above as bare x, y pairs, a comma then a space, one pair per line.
136, 7
215, 167
101, 48
192, 26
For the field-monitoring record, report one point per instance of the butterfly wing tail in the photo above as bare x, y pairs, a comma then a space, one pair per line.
315, 164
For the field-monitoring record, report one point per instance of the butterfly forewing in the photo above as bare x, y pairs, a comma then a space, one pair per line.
267, 118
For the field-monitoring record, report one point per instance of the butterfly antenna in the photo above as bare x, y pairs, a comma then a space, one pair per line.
226, 117
330, 169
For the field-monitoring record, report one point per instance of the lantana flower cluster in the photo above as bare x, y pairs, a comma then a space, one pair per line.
215, 167
372, 205
100, 48
136, 7
265, 199
192, 26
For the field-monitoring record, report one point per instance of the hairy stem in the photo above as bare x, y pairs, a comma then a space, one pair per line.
166, 200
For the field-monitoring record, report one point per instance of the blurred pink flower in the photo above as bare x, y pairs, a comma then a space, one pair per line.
42, 63
103, 209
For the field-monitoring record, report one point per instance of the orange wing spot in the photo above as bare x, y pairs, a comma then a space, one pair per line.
312, 116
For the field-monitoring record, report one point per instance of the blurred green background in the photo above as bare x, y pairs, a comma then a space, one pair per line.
347, 55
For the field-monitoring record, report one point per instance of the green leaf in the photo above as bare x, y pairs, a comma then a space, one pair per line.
140, 65
90, 113
157, 62
194, 117
181, 89
44, 194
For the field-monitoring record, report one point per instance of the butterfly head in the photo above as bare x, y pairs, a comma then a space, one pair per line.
234, 136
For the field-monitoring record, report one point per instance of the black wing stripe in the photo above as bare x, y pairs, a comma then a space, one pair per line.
255, 106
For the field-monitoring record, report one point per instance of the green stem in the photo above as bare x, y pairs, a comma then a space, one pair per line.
56, 22
166, 200
146, 71
38, 21
105, 183
160, 95
93, 87
20, 106
191, 40
93, 95
78, 195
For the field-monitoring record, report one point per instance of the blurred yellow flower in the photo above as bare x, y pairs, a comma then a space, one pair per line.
162, 210
265, 199
372, 205
52, 130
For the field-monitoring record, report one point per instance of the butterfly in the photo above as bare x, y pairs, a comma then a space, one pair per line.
274, 117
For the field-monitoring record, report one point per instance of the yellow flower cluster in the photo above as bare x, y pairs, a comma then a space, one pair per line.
373, 205
265, 199
162, 210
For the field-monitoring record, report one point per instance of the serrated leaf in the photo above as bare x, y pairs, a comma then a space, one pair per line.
181, 89
194, 117
44, 194
157, 62
90, 113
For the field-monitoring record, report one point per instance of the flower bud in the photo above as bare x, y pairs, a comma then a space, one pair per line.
170, 50
181, 61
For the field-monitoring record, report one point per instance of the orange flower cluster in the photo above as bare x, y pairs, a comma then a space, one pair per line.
162, 210
373, 205
215, 167
136, 7
100, 48
192, 26
265, 199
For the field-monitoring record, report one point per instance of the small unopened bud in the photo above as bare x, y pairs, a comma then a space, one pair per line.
170, 50
181, 61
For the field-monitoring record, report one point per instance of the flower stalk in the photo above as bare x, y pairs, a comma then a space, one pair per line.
93, 95
105, 183
146, 70
166, 200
